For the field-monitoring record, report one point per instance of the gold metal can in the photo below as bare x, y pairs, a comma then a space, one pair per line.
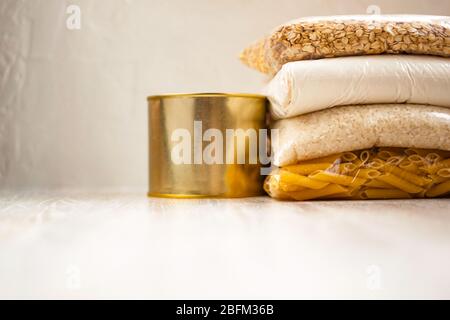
184, 165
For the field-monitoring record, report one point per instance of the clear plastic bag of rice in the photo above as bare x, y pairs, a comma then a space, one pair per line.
339, 129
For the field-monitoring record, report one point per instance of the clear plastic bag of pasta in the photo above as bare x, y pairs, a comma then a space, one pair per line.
377, 173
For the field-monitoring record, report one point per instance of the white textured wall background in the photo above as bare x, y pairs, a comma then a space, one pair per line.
73, 102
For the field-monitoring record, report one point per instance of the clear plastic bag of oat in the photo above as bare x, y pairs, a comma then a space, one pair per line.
337, 36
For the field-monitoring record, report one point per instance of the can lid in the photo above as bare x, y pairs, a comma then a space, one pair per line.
206, 94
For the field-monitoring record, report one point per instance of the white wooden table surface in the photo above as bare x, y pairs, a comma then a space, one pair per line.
128, 246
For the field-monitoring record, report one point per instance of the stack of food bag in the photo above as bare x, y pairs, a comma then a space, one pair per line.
361, 104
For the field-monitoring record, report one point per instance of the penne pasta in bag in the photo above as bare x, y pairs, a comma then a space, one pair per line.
364, 174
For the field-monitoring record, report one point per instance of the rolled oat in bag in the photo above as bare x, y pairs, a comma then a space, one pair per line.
337, 36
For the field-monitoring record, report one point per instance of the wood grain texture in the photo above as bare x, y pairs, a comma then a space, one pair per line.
127, 246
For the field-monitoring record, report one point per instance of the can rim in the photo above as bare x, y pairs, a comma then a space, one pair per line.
206, 94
